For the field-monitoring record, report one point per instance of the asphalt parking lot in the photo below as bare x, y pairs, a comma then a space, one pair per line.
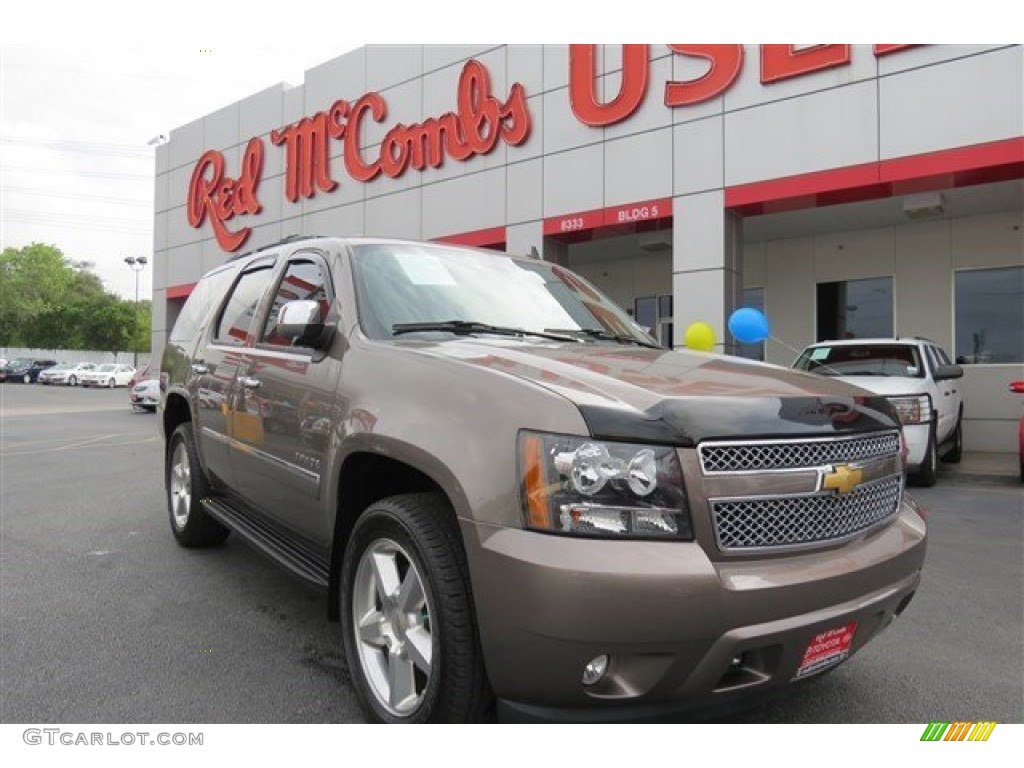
106, 620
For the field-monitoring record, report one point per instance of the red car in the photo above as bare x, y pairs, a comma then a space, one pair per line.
141, 376
1018, 387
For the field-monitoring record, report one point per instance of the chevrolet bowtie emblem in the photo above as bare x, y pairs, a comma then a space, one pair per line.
841, 478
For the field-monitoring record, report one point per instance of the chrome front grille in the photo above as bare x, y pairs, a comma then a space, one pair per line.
748, 524
795, 454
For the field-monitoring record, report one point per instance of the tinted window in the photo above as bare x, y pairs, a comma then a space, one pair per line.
237, 317
204, 299
302, 281
990, 315
862, 360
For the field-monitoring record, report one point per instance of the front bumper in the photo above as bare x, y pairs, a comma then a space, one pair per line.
684, 632
917, 437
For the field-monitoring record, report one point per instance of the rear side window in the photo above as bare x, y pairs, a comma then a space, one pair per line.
237, 317
203, 300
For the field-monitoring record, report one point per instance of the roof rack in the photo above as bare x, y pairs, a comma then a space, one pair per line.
282, 241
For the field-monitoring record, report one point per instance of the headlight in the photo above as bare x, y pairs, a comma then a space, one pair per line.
584, 487
913, 409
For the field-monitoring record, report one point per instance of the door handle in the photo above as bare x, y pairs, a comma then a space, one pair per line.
199, 368
248, 382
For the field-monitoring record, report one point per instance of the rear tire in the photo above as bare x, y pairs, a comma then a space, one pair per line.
186, 486
407, 615
72, 381
26, 379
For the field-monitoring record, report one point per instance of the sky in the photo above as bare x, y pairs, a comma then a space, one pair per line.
79, 104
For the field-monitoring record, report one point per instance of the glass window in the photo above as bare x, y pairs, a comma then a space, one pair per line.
302, 281
399, 284
752, 297
645, 311
201, 302
862, 360
990, 315
855, 309
237, 317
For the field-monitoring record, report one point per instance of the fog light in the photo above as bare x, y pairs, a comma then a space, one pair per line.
595, 670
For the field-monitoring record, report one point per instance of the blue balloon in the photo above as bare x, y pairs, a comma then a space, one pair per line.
749, 325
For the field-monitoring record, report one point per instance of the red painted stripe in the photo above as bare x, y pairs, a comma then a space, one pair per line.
963, 166
616, 215
180, 291
479, 238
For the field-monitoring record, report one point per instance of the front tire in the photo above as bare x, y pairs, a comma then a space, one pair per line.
72, 381
26, 379
186, 487
926, 474
407, 611
956, 452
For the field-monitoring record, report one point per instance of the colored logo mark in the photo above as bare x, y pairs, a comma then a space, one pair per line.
959, 731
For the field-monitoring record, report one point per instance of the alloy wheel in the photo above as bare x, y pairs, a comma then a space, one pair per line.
181, 485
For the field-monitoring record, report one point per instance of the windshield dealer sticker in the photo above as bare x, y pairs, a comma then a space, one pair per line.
424, 270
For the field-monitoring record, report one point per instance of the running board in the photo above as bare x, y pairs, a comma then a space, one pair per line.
270, 539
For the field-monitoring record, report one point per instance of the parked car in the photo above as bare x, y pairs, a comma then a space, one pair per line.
108, 375
141, 375
25, 369
509, 493
145, 395
917, 377
65, 373
1018, 387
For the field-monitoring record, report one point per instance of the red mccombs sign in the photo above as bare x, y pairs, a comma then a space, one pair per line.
479, 122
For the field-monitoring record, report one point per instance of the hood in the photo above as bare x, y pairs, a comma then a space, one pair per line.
886, 385
677, 397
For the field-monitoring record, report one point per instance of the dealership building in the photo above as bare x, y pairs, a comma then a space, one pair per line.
847, 191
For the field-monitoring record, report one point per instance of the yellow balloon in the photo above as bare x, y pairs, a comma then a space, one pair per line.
700, 336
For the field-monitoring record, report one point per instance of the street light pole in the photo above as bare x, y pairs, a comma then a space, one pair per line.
137, 264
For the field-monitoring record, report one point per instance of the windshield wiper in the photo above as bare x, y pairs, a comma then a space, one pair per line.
467, 327
604, 335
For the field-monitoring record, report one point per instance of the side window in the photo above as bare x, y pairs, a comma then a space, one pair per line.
933, 362
237, 317
201, 303
941, 356
304, 280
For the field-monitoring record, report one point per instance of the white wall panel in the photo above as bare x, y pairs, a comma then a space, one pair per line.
159, 269
684, 69
440, 85
996, 240
635, 167
854, 255
968, 101
754, 271
343, 221
526, 65
160, 200
389, 65
293, 105
261, 113
789, 290
525, 191
924, 55
562, 129
180, 232
831, 129
520, 238
220, 129
397, 215
556, 67
748, 91
698, 161
160, 231
574, 181
162, 159
184, 264
465, 204
405, 105
186, 144
438, 56
698, 240
923, 286
652, 113
340, 78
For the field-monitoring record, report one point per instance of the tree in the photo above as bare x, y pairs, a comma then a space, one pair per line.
109, 323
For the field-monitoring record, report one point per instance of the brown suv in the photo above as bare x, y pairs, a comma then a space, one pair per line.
511, 494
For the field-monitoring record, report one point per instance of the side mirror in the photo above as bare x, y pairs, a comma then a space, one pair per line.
300, 322
943, 372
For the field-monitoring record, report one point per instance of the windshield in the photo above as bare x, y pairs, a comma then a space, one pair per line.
399, 283
862, 360
20, 362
